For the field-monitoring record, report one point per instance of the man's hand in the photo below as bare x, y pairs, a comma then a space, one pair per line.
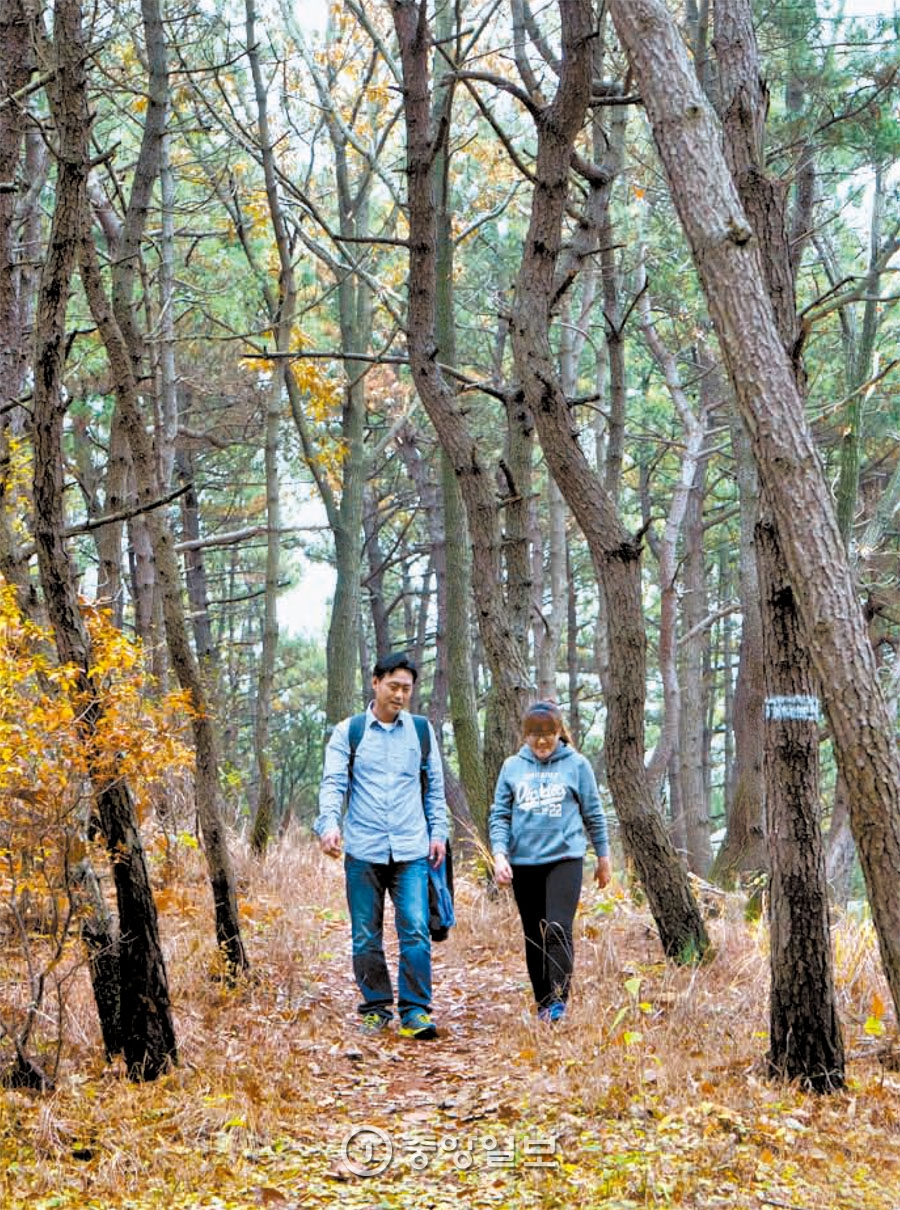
502, 870
436, 852
330, 843
603, 872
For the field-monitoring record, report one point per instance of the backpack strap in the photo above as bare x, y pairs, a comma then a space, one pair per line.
423, 731
354, 735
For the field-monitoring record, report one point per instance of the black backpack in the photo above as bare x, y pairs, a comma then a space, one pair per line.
441, 916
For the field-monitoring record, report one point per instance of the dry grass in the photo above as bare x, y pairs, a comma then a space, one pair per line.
652, 1094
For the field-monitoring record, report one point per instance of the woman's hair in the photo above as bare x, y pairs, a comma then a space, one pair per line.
539, 714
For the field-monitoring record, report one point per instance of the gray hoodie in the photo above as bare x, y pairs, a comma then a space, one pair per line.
542, 808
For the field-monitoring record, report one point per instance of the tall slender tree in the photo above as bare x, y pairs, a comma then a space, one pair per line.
148, 1035
615, 553
721, 240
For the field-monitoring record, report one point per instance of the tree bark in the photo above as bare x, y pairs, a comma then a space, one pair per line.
614, 553
124, 348
804, 1030
463, 701
744, 847
148, 1036
803, 1043
722, 244
692, 759
282, 309
511, 681
16, 65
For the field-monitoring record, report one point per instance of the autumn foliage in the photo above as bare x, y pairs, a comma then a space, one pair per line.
49, 764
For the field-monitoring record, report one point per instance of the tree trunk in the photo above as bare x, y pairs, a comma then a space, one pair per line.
123, 345
670, 742
692, 762
100, 936
763, 378
510, 677
282, 312
551, 612
840, 850
218, 859
460, 677
195, 566
801, 1044
16, 66
615, 555
744, 847
374, 580
804, 1031
148, 1036
457, 560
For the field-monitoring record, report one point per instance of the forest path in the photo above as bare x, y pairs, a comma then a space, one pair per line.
650, 1095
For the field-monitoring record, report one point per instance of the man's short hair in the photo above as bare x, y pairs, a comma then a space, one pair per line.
390, 663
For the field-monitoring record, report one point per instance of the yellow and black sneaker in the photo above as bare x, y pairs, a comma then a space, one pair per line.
419, 1025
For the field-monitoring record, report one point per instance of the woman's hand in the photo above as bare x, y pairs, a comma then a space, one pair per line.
502, 870
603, 872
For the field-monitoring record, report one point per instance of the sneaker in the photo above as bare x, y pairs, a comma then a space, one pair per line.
553, 1013
419, 1025
374, 1023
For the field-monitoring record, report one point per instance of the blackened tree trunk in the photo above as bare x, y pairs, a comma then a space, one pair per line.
762, 375
804, 1030
805, 1038
147, 1033
616, 556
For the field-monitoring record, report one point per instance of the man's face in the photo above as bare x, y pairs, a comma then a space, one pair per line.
392, 694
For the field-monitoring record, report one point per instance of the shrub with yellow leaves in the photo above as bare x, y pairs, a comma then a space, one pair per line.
49, 762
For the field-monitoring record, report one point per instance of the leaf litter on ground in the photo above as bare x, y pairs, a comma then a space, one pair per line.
653, 1093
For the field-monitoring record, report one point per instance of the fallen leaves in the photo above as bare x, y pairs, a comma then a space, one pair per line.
279, 1103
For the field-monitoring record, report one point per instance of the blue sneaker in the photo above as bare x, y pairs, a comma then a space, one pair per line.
418, 1024
553, 1013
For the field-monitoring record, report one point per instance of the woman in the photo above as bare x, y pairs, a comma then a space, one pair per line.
546, 797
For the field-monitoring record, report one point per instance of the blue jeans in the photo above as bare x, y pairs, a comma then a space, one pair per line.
407, 884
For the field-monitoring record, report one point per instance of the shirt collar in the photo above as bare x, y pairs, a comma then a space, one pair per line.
372, 721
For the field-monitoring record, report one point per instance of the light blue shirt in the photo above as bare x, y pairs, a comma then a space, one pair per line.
384, 818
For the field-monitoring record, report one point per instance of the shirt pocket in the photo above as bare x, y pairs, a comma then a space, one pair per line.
410, 762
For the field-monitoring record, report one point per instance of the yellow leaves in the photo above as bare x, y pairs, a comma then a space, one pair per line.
874, 1025
263, 364
17, 477
378, 95
47, 750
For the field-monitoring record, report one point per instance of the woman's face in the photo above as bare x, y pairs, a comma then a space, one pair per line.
543, 740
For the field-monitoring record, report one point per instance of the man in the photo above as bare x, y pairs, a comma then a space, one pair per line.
390, 837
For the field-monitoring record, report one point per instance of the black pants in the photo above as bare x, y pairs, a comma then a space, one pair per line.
547, 898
